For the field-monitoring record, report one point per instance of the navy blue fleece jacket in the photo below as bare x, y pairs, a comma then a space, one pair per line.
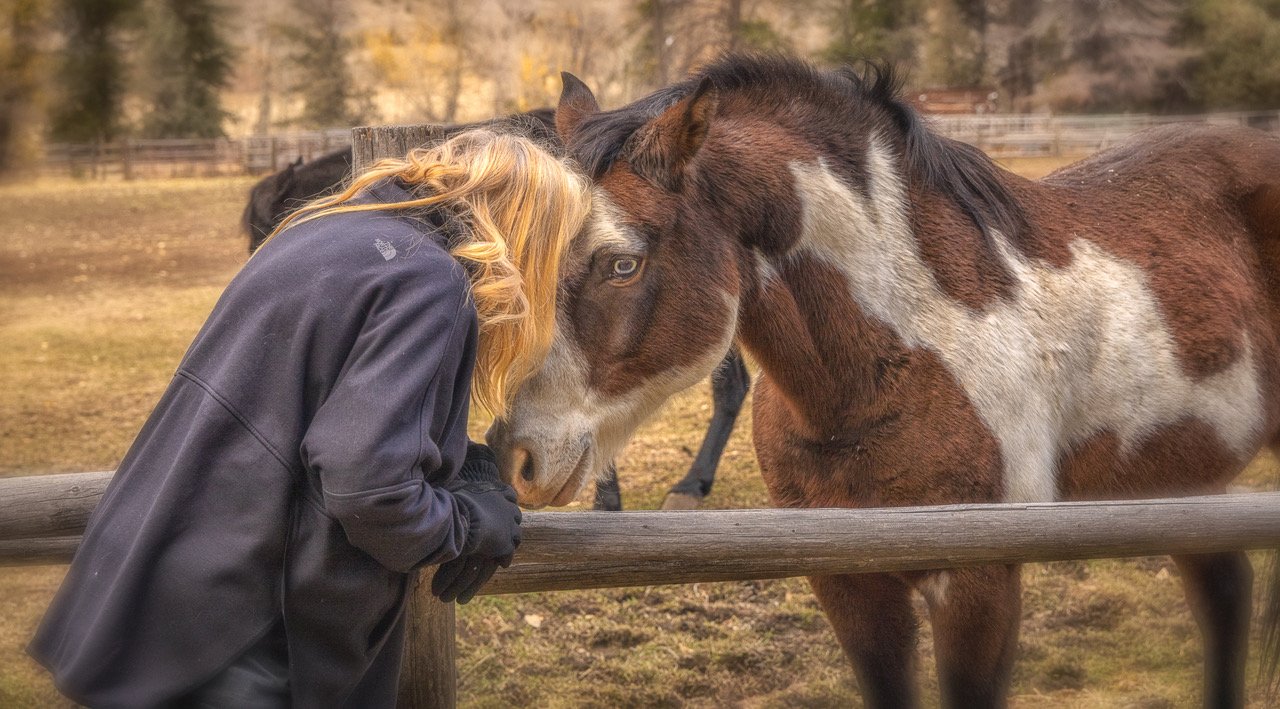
294, 468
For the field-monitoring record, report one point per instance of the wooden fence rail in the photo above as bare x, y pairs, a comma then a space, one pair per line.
41, 518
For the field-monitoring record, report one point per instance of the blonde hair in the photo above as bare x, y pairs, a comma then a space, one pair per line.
520, 208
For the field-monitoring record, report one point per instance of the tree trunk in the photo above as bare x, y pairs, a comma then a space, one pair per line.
733, 24
659, 28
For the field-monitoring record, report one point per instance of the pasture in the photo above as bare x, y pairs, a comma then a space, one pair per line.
102, 286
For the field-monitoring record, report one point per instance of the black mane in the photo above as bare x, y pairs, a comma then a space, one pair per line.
775, 84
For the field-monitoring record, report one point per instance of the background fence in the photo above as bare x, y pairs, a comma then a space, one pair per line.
189, 158
1045, 135
1031, 135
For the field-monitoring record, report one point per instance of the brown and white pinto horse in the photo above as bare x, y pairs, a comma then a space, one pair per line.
931, 329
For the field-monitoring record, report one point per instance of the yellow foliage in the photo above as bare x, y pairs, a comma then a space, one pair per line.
384, 50
537, 82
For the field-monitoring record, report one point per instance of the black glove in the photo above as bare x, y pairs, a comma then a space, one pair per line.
493, 527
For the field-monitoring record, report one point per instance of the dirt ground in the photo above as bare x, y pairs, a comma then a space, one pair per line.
102, 286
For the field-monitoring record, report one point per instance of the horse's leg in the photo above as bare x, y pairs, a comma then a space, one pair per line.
729, 385
876, 627
1219, 589
608, 493
975, 614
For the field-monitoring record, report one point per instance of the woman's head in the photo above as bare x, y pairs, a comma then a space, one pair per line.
519, 207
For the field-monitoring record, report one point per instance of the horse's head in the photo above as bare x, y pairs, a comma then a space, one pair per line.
648, 299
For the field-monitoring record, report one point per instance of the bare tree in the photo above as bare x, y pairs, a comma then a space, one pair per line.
1090, 54
261, 60
454, 36
678, 35
955, 44
20, 83
733, 24
319, 58
656, 39
873, 29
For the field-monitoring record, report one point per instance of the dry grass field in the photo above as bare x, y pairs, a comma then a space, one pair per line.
102, 285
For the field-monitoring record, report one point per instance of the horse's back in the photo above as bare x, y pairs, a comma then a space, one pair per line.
1214, 159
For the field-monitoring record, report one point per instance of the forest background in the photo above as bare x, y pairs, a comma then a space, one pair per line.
86, 71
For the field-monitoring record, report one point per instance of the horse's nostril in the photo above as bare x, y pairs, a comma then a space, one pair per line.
522, 462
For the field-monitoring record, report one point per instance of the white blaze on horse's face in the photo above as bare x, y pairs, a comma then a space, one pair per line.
605, 373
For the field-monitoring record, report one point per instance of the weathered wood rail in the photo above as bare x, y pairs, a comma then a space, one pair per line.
41, 518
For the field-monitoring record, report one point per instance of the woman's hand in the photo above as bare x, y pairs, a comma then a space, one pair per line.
493, 530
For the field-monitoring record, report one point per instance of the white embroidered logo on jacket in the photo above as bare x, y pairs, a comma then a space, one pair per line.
385, 248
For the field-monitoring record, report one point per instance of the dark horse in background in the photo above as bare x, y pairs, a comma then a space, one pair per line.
278, 194
930, 328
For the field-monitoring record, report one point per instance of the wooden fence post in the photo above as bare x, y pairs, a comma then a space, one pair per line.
126, 158
429, 676
370, 144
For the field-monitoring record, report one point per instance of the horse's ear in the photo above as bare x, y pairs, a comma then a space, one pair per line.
663, 147
576, 103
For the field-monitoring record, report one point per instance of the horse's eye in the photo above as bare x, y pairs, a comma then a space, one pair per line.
624, 267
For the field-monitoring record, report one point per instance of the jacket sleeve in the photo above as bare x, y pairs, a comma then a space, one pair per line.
372, 442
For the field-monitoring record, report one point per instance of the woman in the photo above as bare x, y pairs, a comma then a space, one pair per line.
258, 540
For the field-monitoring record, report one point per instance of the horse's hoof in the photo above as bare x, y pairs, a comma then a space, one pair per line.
681, 501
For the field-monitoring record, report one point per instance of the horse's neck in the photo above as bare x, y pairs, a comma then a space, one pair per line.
832, 318
812, 321
866, 237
